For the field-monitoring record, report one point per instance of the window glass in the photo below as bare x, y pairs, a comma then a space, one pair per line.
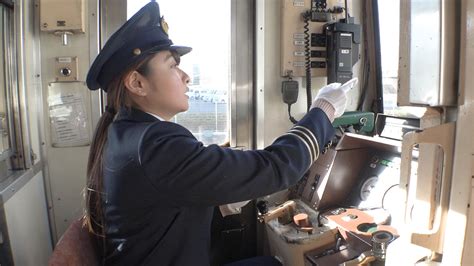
208, 64
389, 22
6, 25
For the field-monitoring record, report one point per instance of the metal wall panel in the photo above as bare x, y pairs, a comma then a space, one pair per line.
65, 168
27, 223
429, 58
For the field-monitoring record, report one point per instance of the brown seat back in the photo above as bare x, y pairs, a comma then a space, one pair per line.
76, 247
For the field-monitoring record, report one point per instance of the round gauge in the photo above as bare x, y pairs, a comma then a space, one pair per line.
367, 187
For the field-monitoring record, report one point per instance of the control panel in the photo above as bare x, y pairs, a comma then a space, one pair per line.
344, 207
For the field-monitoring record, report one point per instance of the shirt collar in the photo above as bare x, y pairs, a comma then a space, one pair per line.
157, 117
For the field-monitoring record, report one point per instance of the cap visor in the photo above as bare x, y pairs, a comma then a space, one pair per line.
181, 50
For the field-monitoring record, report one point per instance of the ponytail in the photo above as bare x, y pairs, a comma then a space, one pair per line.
117, 99
93, 215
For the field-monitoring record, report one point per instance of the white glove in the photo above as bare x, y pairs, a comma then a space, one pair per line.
232, 208
332, 98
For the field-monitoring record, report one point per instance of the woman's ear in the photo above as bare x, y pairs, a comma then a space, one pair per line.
136, 84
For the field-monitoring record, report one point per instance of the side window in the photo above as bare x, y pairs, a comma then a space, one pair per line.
389, 25
389, 20
6, 81
208, 65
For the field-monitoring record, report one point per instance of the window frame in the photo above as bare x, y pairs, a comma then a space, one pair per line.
378, 57
404, 108
17, 156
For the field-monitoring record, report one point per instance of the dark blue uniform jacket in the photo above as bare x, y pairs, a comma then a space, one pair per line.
161, 184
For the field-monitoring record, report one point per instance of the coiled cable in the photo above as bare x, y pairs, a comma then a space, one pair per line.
307, 46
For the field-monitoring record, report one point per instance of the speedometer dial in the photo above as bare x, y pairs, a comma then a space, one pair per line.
367, 187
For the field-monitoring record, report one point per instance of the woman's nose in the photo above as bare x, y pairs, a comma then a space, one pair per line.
187, 79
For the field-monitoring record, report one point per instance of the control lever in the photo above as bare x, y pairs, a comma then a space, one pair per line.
303, 223
286, 209
338, 244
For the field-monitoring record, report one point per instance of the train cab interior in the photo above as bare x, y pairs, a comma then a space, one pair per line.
394, 187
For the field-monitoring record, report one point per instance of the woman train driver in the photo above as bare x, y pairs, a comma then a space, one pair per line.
151, 185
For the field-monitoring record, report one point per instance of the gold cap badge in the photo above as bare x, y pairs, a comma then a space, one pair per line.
164, 25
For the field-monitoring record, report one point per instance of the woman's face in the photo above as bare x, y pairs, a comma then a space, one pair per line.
165, 85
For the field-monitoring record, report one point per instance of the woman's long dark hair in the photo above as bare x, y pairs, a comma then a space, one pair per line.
117, 98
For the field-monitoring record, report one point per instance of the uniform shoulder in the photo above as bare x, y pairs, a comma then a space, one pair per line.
162, 132
162, 129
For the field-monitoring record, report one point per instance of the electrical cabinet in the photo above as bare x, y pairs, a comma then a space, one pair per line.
64, 15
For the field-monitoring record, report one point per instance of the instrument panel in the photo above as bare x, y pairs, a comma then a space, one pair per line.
350, 195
